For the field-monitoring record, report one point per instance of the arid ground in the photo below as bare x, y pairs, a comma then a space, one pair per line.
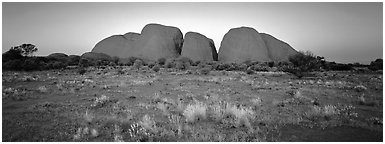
121, 104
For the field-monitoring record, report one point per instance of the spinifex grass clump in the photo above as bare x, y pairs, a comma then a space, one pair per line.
331, 115
232, 115
194, 112
102, 101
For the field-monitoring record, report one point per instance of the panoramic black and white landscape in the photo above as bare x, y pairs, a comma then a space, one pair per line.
192, 72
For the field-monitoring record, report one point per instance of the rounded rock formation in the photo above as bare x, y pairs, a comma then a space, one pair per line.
93, 56
198, 47
117, 45
278, 50
58, 56
154, 42
241, 44
159, 41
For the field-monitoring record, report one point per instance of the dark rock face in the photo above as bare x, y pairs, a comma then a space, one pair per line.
241, 44
158, 41
198, 47
154, 42
93, 56
278, 50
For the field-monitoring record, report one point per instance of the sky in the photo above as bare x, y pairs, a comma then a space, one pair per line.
341, 32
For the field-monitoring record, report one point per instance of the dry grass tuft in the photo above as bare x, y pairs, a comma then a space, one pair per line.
194, 112
148, 123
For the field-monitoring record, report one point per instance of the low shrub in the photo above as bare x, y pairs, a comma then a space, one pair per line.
156, 68
151, 64
15, 64
161, 61
138, 64
242, 67
259, 67
339, 67
84, 62
305, 62
204, 71
31, 64
82, 70
196, 63
249, 71
170, 63
223, 66
376, 65
185, 60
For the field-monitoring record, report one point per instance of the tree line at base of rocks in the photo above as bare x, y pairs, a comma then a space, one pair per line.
20, 58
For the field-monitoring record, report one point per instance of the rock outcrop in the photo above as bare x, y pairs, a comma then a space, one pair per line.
154, 42
58, 56
118, 45
278, 50
93, 56
241, 44
158, 41
244, 43
198, 47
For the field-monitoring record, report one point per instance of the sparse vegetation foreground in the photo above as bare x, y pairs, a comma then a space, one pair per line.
190, 103
182, 100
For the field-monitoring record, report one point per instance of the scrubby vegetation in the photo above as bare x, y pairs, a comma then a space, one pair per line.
376, 65
177, 99
20, 58
122, 104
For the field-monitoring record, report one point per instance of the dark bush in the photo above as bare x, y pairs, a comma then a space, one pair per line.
131, 61
84, 62
270, 64
294, 70
170, 63
115, 59
196, 63
82, 70
26, 49
223, 66
56, 65
151, 64
339, 67
304, 63
283, 63
101, 63
73, 60
15, 64
156, 68
12, 54
112, 64
161, 61
180, 65
242, 67
204, 71
249, 71
376, 65
185, 60
259, 67
31, 64
250, 63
